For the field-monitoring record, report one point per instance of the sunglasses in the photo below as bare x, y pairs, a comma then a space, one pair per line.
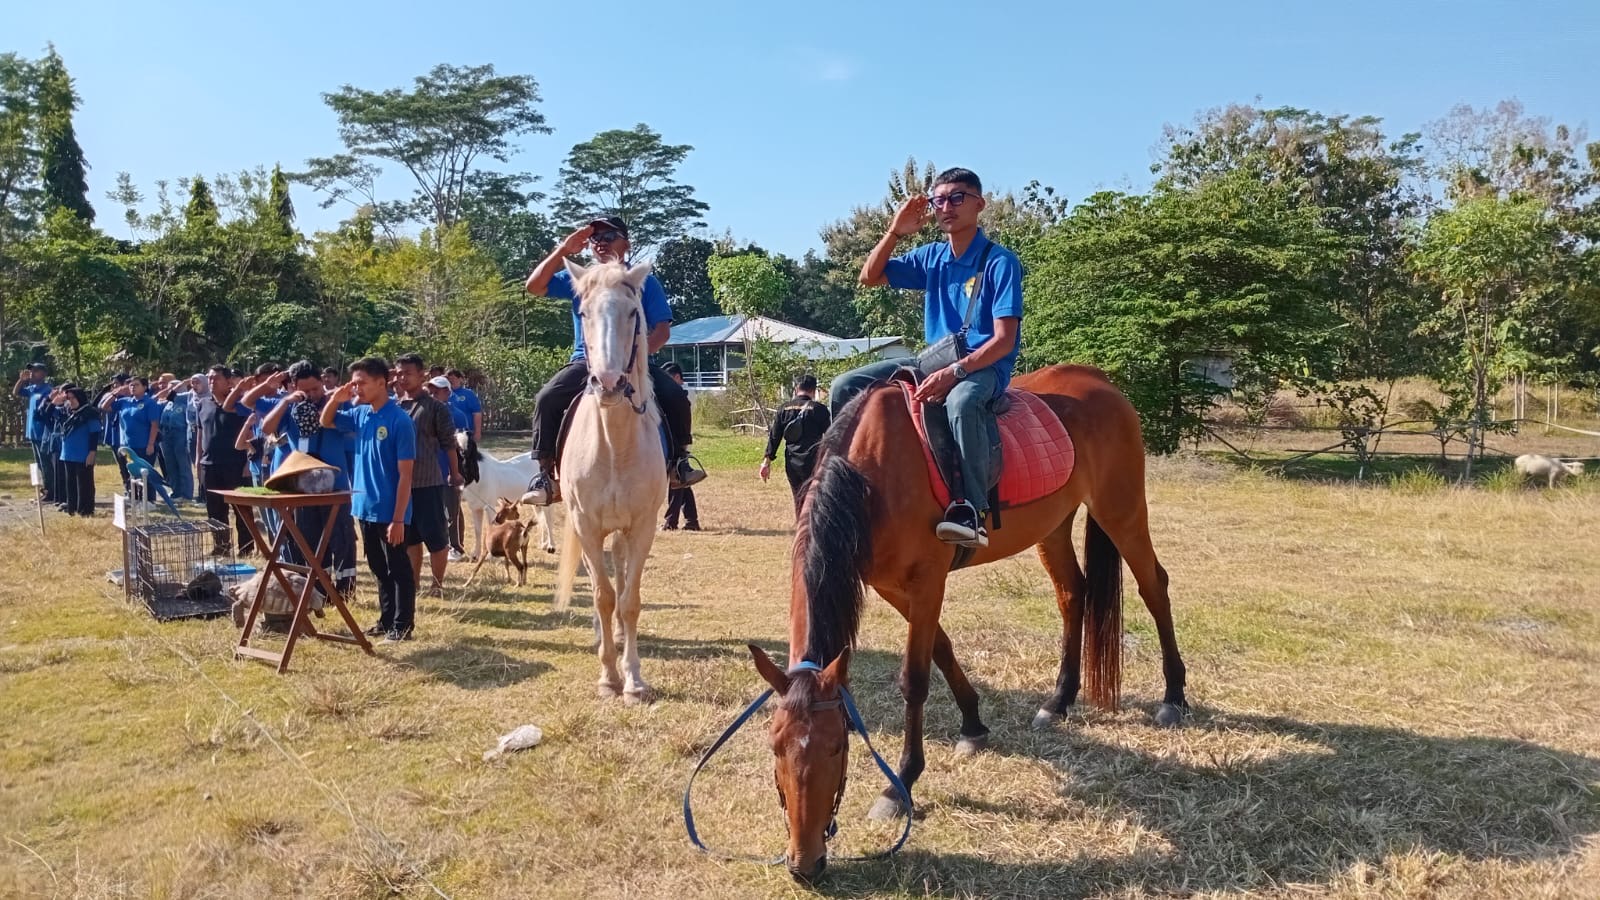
952, 200
605, 237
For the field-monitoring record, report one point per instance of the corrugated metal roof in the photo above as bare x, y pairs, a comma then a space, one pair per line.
730, 330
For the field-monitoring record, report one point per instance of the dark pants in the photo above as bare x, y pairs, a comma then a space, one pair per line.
397, 589
550, 407
798, 474
80, 488
57, 473
340, 560
682, 500
452, 511
224, 478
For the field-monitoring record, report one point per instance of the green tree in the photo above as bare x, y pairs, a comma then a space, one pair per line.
79, 296
1146, 286
748, 285
680, 265
19, 174
64, 172
201, 210
632, 174
1498, 267
1364, 187
817, 298
280, 207
501, 221
439, 132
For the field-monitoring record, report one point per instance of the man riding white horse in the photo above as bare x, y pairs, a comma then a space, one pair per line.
607, 239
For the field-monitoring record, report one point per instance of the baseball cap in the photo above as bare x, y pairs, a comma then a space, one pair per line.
613, 222
39, 366
439, 382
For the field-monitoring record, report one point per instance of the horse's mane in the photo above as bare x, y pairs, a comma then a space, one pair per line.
833, 541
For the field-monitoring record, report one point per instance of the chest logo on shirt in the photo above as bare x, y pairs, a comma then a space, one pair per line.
972, 285
383, 432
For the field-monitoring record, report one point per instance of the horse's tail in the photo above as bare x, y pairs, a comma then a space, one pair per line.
567, 569
1102, 619
833, 548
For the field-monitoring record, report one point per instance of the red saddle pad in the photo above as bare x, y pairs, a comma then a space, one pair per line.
1035, 450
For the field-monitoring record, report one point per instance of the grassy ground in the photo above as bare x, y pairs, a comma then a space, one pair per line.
1394, 686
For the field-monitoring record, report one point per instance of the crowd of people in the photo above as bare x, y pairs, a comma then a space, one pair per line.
392, 431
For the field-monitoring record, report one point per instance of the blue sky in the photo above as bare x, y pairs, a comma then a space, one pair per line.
798, 111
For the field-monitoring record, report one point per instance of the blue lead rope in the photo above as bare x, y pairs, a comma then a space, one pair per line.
853, 717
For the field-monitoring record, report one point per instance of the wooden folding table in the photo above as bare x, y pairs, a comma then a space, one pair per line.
315, 574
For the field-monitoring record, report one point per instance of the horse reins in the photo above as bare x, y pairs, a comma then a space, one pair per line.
853, 722
633, 357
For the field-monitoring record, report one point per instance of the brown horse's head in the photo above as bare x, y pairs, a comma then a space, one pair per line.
810, 747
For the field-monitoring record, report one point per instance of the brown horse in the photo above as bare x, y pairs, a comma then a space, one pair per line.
867, 519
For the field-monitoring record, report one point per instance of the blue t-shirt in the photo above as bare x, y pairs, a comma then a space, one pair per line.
947, 282
75, 444
656, 309
465, 400
32, 398
385, 437
134, 418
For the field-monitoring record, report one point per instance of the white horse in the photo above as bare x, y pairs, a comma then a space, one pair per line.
613, 473
501, 478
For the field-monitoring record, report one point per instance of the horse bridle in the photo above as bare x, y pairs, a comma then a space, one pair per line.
844, 776
633, 357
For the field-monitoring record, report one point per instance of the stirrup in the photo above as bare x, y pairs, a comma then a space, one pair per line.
681, 473
962, 525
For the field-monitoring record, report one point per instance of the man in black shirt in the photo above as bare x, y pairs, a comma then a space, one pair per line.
800, 424
221, 463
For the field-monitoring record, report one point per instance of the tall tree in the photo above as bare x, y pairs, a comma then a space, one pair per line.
439, 132
1498, 268
201, 209
749, 285
680, 265
79, 296
280, 208
1363, 186
64, 172
632, 174
19, 173
1147, 286
1505, 152
498, 210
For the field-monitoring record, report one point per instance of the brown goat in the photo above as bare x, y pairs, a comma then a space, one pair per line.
508, 539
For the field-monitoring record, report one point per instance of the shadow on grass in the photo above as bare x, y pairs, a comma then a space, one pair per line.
1357, 795
474, 664
1344, 468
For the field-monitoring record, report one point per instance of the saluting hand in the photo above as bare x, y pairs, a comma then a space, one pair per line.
911, 216
576, 241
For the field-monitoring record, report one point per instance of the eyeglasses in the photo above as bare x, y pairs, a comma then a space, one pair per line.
952, 200
605, 237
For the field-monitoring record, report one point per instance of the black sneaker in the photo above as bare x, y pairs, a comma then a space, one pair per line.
962, 525
692, 526
542, 491
376, 631
396, 635
682, 473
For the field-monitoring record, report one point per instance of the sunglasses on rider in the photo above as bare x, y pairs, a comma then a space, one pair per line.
605, 237
952, 200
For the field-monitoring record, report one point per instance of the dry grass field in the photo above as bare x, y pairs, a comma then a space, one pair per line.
1396, 693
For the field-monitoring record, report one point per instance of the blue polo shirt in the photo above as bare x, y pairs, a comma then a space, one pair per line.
656, 309
946, 280
134, 418
465, 400
263, 408
75, 444
30, 394
385, 437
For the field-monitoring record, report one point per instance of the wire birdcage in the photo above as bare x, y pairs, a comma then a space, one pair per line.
171, 569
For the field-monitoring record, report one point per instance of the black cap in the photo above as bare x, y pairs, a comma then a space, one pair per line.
39, 365
612, 222
805, 383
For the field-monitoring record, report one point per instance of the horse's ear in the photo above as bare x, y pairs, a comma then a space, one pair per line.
636, 276
838, 671
576, 270
769, 670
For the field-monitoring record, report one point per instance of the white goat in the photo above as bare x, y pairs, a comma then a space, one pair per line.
1554, 471
501, 478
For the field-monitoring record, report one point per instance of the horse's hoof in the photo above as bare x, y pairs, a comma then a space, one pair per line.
1044, 719
637, 696
969, 746
1170, 715
607, 690
886, 809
